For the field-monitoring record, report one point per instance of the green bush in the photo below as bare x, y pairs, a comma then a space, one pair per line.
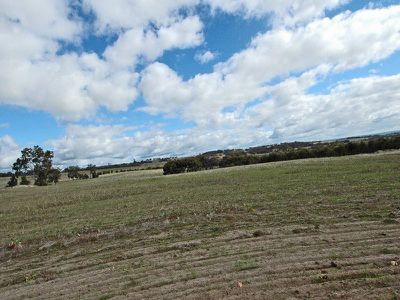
13, 181
24, 181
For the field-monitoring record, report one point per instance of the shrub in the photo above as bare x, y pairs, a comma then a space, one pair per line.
13, 181
54, 176
73, 172
24, 181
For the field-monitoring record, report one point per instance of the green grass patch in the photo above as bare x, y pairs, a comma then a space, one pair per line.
245, 264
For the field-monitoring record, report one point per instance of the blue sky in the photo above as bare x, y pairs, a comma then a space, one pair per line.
101, 82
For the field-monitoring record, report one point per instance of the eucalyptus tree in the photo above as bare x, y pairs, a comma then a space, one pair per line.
35, 162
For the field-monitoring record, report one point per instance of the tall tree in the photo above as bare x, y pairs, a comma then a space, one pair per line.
42, 164
33, 161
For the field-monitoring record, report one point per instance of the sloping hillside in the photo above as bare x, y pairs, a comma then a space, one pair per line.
300, 229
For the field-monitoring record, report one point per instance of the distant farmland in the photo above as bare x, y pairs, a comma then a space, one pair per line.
315, 228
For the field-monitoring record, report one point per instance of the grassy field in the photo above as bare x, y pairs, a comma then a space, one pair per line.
318, 228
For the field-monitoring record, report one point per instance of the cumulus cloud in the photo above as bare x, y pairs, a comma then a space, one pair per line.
138, 43
33, 75
357, 106
113, 144
127, 14
73, 86
367, 104
205, 57
70, 86
42, 18
344, 42
9, 151
112, 16
285, 13
79, 142
200, 99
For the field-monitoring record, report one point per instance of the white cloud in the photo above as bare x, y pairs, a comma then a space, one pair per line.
68, 86
73, 86
145, 28
134, 13
41, 18
205, 57
127, 14
33, 75
113, 144
96, 142
199, 99
344, 42
362, 105
9, 151
138, 43
285, 12
367, 105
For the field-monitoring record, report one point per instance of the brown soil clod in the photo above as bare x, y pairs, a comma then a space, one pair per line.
258, 233
333, 264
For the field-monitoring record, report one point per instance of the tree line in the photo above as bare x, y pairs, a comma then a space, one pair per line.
73, 172
242, 157
36, 163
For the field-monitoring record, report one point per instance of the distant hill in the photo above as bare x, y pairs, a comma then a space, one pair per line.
265, 149
284, 151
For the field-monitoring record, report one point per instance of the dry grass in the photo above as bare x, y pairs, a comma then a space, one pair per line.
323, 228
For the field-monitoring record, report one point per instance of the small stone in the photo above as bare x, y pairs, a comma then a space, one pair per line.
394, 263
239, 284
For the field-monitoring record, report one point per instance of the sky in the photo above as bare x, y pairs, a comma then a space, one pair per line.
100, 81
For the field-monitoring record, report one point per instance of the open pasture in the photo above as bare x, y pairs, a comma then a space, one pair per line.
317, 228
